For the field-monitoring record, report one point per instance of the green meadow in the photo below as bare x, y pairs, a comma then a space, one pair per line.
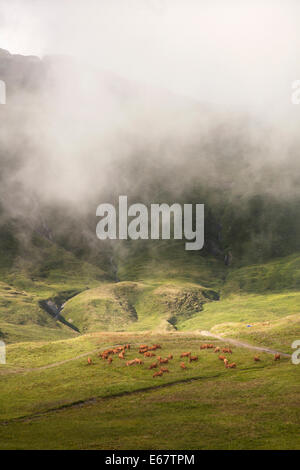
50, 398
112, 406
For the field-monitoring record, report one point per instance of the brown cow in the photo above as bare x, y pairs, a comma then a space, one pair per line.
231, 366
130, 363
227, 350
203, 346
222, 358
185, 354
149, 354
256, 359
163, 361
110, 359
182, 365
225, 361
170, 356
143, 351
153, 365
138, 361
90, 362
158, 374
277, 357
122, 355
193, 358
164, 369
217, 349
108, 351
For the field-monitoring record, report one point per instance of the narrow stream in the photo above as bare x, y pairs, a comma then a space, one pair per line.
55, 311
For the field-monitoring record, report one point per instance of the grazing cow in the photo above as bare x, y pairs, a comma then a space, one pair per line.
90, 362
182, 365
217, 349
108, 351
222, 358
110, 359
143, 351
170, 356
227, 350
143, 346
163, 361
130, 363
158, 374
122, 355
149, 354
104, 356
193, 358
203, 346
138, 361
153, 365
231, 366
164, 369
225, 361
256, 359
210, 346
185, 354
277, 357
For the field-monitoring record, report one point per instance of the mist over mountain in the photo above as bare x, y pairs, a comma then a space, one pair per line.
73, 136
113, 108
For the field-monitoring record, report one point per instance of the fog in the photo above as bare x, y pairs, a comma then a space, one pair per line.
234, 53
143, 96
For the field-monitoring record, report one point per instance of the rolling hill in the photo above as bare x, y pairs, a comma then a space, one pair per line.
65, 296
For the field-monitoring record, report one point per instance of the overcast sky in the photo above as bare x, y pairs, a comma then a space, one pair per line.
236, 53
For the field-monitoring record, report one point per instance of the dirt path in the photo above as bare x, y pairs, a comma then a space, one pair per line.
242, 344
53, 364
59, 363
204, 333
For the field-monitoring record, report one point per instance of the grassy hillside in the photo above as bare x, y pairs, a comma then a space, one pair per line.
125, 407
170, 289
277, 275
265, 296
161, 287
158, 287
35, 270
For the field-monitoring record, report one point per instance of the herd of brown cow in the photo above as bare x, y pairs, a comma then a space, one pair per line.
147, 351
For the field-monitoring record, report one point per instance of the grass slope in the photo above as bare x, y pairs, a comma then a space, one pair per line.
264, 296
253, 406
170, 289
42, 270
159, 286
